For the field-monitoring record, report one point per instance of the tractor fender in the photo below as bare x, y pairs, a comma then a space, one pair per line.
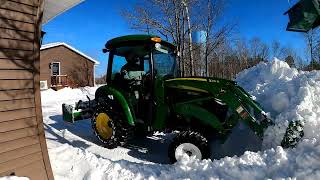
118, 96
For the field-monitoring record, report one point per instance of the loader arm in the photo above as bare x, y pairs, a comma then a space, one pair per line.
247, 109
294, 131
228, 92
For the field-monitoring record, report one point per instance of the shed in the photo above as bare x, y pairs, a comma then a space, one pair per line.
62, 65
23, 149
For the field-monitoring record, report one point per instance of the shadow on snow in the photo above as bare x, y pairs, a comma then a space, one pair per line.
151, 148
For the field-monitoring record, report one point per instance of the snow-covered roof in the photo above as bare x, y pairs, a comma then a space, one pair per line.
56, 44
53, 8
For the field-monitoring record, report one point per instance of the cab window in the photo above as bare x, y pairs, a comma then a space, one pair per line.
164, 61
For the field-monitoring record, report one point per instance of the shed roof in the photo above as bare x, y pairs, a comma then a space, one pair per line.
56, 44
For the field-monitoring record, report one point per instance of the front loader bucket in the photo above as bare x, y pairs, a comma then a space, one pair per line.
293, 135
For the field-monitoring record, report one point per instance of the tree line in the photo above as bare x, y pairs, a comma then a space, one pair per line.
220, 52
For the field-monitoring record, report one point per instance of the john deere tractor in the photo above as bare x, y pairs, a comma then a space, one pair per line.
144, 93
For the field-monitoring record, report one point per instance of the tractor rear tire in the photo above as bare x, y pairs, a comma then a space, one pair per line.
189, 142
116, 130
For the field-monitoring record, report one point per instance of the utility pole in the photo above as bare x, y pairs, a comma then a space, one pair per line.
309, 36
190, 37
148, 29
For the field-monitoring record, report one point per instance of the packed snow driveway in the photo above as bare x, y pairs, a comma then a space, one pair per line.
80, 134
286, 94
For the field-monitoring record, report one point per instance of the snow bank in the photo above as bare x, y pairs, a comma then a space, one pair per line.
52, 100
66, 95
285, 93
288, 95
303, 163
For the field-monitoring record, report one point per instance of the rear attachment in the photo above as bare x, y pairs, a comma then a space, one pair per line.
82, 110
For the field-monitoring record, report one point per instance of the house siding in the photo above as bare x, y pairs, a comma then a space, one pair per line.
23, 149
76, 67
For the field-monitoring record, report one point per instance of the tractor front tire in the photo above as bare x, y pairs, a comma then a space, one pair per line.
109, 126
189, 142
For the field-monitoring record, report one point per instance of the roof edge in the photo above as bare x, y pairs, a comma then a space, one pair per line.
56, 44
61, 12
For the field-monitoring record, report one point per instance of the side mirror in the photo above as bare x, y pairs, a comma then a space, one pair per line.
104, 50
177, 53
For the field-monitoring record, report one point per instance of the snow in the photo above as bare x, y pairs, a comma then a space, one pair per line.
13, 178
280, 102
288, 95
285, 93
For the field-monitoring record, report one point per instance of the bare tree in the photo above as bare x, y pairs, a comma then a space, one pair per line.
277, 50
312, 39
101, 80
175, 20
214, 37
258, 49
242, 52
81, 74
297, 60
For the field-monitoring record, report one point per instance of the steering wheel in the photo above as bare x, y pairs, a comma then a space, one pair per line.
146, 76
123, 72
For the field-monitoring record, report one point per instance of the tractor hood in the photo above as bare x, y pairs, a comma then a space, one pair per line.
193, 90
200, 84
214, 87
203, 79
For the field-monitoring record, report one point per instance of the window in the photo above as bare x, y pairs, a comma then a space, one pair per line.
164, 61
55, 68
118, 63
130, 61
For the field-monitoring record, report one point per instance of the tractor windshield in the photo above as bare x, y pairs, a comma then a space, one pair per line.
129, 61
164, 61
134, 60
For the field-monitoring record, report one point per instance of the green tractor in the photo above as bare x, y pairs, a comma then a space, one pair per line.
144, 93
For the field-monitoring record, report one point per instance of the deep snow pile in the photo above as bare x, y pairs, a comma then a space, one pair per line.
285, 93
288, 95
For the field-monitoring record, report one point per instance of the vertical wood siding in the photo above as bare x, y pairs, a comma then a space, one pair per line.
23, 149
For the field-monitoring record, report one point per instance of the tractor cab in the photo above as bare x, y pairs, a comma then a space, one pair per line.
135, 63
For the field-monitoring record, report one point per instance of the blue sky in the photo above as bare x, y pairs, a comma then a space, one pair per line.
89, 25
